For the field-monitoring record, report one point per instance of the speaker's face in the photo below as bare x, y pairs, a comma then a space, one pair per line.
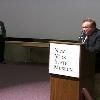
87, 28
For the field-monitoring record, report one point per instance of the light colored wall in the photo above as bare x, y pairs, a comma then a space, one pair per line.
15, 52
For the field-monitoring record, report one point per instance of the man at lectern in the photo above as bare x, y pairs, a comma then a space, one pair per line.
90, 37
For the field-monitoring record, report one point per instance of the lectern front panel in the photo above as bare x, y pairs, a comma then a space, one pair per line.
64, 89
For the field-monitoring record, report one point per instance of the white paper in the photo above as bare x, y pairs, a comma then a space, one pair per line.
64, 59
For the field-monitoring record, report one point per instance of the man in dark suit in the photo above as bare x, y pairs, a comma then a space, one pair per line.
2, 41
90, 37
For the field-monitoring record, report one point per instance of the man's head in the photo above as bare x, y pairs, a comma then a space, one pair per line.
88, 26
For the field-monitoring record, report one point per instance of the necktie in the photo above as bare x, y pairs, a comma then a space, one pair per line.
85, 39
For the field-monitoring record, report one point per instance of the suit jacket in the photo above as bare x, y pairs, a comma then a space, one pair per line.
93, 45
93, 41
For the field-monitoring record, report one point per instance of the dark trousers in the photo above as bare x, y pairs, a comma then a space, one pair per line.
2, 50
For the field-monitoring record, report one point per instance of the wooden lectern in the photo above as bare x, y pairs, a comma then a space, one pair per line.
71, 68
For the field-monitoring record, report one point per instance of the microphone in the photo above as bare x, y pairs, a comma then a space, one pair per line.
81, 35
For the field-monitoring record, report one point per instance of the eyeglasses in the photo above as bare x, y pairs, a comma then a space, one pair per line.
87, 27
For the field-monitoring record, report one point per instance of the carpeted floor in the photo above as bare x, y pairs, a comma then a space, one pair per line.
29, 82
24, 82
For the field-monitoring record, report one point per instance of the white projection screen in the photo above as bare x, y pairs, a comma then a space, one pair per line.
54, 19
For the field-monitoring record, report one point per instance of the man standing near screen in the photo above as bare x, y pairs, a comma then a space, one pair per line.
2, 41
